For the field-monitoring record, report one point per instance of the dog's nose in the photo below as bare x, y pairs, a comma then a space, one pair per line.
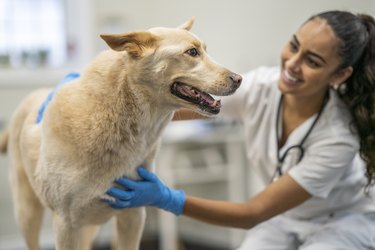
237, 79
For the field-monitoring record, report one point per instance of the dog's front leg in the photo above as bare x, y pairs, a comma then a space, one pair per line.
88, 234
67, 235
130, 224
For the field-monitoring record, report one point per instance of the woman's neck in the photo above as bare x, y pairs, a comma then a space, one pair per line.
302, 106
296, 110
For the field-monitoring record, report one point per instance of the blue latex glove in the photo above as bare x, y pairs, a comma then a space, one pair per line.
147, 192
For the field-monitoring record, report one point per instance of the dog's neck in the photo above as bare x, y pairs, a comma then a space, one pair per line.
125, 91
123, 110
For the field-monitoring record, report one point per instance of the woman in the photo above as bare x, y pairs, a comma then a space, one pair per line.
306, 124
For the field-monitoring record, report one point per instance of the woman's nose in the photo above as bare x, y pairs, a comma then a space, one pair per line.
294, 62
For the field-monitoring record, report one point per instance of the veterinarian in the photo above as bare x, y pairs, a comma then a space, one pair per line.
309, 127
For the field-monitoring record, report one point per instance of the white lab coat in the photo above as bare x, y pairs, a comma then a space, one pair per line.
331, 170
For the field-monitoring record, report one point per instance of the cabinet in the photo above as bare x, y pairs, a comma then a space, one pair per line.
205, 159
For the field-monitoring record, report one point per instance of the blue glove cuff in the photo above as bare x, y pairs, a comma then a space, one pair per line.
176, 202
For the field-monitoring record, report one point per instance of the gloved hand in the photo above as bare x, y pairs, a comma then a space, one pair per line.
147, 192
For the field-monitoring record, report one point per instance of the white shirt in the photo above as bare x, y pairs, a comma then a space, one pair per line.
330, 170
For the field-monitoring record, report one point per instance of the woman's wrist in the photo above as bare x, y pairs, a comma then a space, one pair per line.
174, 201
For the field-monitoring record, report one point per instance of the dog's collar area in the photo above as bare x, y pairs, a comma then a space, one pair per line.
193, 95
68, 78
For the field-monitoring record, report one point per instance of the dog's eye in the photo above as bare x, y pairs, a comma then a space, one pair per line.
193, 52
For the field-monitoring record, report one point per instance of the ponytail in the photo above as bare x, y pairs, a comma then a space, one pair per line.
360, 97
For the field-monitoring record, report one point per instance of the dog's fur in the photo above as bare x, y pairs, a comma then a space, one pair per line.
102, 126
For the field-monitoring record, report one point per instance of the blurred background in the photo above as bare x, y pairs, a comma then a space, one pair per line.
42, 40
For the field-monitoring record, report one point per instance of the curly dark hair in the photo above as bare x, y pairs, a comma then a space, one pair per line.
356, 34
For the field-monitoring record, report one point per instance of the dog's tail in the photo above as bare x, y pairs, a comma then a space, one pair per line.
4, 141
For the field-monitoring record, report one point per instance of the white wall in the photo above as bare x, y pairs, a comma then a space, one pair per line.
240, 34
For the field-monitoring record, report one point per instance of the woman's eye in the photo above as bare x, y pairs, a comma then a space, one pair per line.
293, 47
312, 63
192, 52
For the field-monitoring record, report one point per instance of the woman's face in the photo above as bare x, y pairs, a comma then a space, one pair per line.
309, 61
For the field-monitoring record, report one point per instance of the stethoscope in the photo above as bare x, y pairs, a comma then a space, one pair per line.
298, 147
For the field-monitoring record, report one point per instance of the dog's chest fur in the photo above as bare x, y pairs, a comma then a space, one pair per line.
104, 133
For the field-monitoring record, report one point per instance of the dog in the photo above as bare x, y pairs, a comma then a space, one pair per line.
101, 126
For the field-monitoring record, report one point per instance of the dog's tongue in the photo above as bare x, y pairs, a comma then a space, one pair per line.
203, 97
208, 99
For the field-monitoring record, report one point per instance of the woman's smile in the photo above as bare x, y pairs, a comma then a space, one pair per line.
290, 79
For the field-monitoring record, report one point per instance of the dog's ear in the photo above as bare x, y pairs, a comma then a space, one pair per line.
135, 43
188, 24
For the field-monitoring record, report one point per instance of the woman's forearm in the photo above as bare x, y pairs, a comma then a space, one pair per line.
278, 197
222, 213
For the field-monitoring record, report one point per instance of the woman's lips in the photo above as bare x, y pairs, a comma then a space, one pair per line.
289, 78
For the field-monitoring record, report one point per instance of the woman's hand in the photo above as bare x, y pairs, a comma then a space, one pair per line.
149, 191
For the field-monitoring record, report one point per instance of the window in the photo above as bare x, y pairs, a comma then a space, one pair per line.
32, 33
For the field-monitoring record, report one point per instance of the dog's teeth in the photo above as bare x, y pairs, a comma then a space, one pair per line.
214, 104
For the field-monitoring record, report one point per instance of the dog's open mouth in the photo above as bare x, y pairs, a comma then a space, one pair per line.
193, 95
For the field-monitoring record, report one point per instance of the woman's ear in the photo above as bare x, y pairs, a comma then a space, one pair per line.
341, 76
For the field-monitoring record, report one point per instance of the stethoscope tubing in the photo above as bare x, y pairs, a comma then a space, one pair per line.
281, 159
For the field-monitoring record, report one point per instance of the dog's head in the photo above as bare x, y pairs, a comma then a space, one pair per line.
174, 63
